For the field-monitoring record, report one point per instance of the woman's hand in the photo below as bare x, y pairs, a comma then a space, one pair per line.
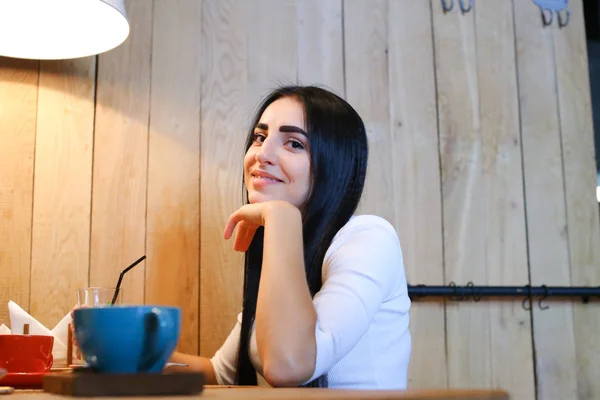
249, 217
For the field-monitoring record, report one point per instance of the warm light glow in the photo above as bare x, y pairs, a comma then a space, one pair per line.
598, 193
61, 29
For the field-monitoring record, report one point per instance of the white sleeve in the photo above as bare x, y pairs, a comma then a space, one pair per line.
225, 359
362, 269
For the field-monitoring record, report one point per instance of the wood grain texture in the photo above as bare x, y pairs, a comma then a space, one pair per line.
367, 90
577, 139
163, 170
505, 236
321, 44
545, 202
271, 47
173, 221
250, 393
416, 171
225, 121
468, 326
120, 158
18, 110
63, 187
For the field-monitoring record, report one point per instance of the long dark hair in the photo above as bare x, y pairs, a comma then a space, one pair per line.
339, 152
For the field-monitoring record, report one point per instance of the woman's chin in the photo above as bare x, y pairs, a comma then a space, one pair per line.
258, 198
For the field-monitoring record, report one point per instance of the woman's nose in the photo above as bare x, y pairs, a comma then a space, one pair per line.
267, 153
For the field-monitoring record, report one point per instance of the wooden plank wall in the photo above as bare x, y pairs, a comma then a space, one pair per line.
481, 156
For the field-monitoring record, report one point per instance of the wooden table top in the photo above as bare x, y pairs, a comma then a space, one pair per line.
255, 393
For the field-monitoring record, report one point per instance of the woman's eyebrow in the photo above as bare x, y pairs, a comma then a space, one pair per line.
283, 128
292, 128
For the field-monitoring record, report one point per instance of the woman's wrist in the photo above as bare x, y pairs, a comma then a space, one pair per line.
281, 210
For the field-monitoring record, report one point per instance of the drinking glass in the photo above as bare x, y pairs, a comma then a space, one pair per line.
93, 297
98, 296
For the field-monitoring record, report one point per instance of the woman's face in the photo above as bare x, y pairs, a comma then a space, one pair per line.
277, 164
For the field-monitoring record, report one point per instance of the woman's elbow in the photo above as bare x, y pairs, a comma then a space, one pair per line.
287, 374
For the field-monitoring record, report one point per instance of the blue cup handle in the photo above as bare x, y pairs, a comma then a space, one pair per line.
156, 340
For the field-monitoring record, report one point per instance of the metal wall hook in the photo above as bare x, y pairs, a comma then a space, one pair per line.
446, 7
464, 9
474, 294
543, 298
562, 24
547, 16
453, 297
527, 300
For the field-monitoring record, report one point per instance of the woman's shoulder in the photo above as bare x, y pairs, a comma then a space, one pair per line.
367, 233
369, 246
368, 223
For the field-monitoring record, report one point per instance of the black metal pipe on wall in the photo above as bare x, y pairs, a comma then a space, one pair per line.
475, 293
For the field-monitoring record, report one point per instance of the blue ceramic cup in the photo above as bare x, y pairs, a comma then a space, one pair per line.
127, 339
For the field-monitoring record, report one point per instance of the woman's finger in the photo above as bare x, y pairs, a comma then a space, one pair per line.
231, 223
240, 236
250, 232
248, 213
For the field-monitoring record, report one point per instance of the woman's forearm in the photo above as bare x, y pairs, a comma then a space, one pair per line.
196, 364
285, 315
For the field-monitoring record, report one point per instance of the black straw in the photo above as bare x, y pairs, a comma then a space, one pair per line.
142, 258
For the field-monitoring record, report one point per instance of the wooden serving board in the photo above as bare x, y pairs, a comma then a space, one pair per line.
81, 384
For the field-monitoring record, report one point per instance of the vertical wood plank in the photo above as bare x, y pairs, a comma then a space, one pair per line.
225, 120
321, 44
577, 133
120, 158
545, 202
63, 186
468, 326
366, 60
271, 51
505, 237
18, 110
415, 164
173, 221
272, 43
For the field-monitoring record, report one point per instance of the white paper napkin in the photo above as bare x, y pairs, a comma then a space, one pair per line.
4, 330
20, 317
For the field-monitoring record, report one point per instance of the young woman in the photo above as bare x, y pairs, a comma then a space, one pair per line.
325, 295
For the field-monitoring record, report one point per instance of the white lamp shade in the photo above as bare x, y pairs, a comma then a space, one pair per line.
61, 29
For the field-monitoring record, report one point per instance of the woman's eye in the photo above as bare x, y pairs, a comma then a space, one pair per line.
259, 137
296, 145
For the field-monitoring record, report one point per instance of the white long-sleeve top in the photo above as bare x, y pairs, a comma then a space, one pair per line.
362, 333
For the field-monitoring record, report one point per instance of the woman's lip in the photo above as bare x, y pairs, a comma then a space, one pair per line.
262, 174
263, 181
